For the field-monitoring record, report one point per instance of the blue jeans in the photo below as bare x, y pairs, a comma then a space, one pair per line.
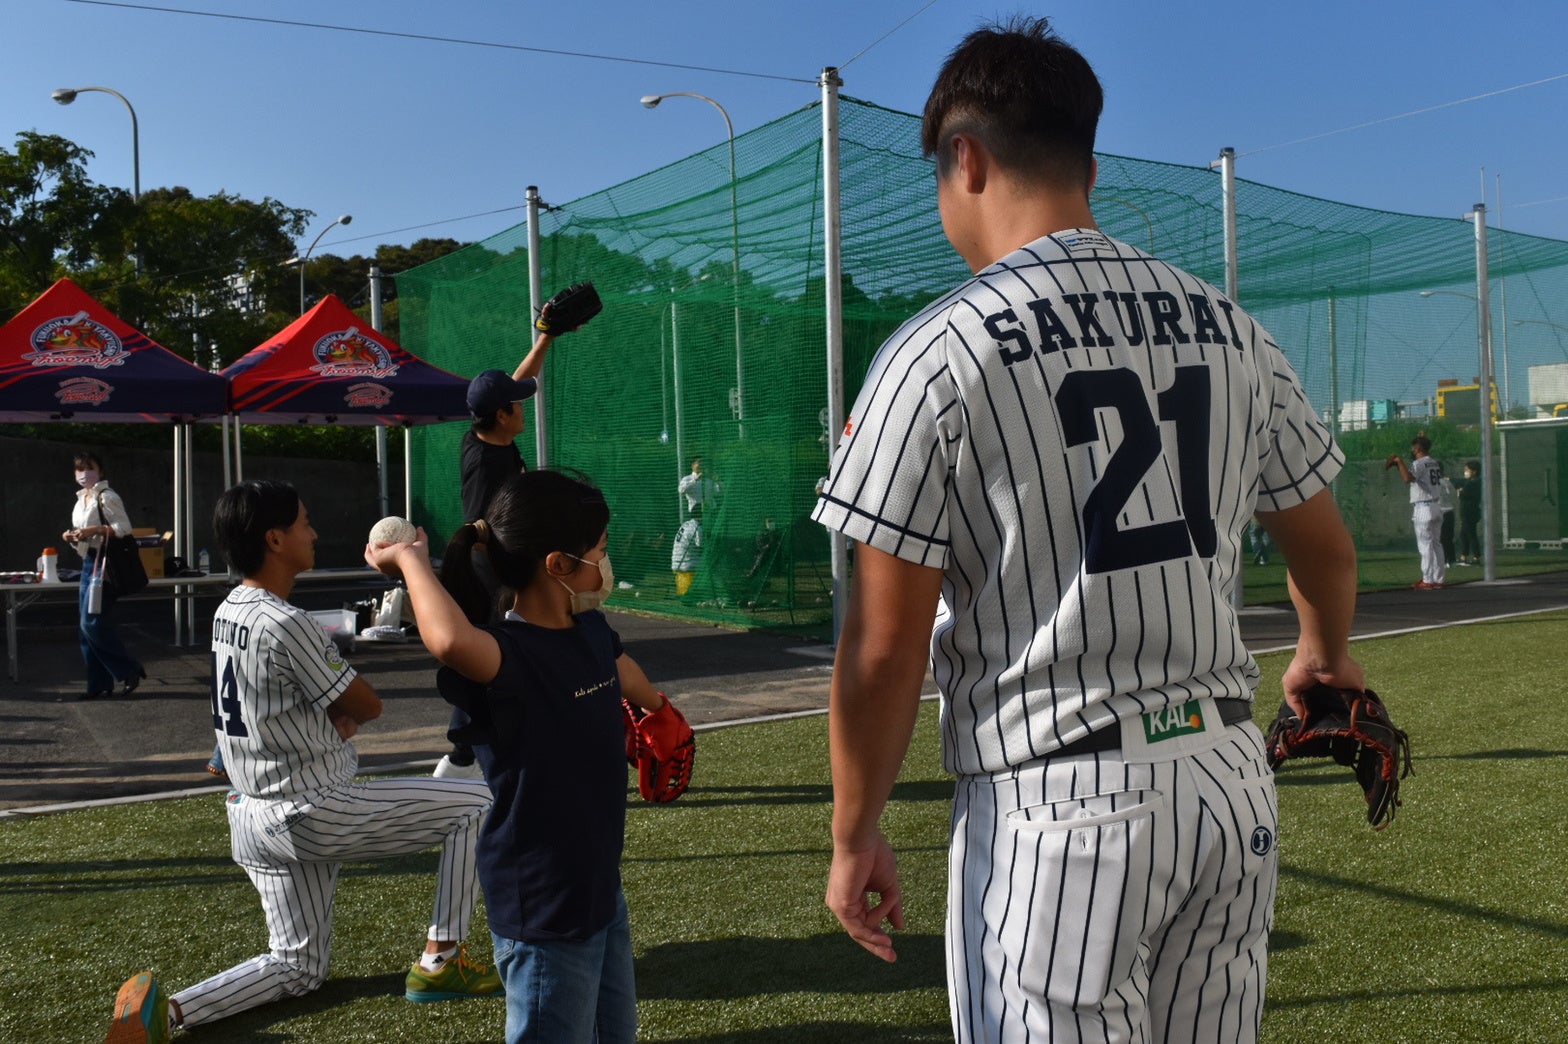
571, 992
103, 653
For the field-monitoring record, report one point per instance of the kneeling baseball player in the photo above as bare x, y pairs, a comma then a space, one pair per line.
284, 706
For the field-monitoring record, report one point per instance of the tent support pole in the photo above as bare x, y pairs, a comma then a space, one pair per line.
179, 525
190, 527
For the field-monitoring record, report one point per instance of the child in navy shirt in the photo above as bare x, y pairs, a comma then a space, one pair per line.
539, 696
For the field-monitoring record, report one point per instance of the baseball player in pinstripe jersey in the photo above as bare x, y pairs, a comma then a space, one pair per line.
1049, 470
1425, 477
284, 706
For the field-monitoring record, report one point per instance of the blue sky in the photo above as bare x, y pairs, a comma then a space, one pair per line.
415, 137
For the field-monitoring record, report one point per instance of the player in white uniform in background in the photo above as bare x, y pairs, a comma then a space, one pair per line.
1425, 476
284, 706
1063, 454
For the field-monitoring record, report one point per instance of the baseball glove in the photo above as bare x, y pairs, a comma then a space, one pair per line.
1354, 729
569, 310
665, 750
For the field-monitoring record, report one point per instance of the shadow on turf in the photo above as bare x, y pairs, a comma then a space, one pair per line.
807, 794
129, 874
750, 966
833, 1033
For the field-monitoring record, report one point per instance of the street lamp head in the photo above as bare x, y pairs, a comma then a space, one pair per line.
65, 95
344, 219
651, 101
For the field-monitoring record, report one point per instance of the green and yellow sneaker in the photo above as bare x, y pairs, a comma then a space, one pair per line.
458, 978
141, 1013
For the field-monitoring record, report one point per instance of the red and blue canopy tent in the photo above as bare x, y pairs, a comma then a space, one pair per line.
330, 367
65, 357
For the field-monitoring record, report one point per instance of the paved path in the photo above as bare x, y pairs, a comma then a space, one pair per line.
56, 749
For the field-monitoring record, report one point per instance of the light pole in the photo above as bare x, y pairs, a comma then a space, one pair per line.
652, 101
66, 95
343, 219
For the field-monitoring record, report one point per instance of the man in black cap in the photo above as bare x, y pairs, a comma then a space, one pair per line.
488, 458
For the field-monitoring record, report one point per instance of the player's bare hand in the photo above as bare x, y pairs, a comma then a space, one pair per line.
1391, 462
1306, 671
389, 559
863, 891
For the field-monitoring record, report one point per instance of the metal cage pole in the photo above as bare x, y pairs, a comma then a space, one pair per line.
1227, 165
1333, 365
832, 265
535, 305
680, 417
1483, 310
381, 429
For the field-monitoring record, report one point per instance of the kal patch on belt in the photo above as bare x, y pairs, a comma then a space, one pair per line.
1170, 722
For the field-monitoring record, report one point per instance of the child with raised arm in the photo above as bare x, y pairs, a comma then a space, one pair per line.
540, 699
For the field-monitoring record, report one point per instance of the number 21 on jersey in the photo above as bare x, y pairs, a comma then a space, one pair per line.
1108, 546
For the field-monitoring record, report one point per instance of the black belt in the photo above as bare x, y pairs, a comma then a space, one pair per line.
1232, 712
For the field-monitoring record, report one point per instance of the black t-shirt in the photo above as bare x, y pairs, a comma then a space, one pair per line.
484, 466
550, 736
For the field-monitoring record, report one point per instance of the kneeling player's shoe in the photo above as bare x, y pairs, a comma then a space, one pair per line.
458, 978
141, 1013
446, 768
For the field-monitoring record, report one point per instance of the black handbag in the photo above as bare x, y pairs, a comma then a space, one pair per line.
123, 572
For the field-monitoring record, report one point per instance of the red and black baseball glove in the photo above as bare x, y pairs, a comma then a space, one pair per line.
1353, 728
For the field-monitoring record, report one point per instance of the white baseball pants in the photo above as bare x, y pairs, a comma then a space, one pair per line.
292, 852
1091, 899
1427, 517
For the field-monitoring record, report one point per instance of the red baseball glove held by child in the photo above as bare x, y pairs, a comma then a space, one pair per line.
666, 750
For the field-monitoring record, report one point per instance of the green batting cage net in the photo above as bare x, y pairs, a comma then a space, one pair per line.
712, 345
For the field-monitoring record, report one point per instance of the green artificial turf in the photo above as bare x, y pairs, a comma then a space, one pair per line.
1448, 926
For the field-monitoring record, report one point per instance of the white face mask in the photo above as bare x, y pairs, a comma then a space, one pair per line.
87, 478
582, 601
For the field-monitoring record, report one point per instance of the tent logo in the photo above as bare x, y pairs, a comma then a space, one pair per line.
349, 353
75, 340
369, 395
83, 391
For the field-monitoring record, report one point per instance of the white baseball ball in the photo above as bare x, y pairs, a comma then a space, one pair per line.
393, 529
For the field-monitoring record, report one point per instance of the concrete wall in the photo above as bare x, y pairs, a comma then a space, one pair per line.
39, 490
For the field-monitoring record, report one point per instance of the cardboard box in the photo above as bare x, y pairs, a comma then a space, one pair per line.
154, 547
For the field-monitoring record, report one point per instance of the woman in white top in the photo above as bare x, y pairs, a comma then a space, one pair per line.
99, 513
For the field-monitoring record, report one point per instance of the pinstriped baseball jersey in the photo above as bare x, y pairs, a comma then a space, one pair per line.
274, 674
1426, 480
1077, 436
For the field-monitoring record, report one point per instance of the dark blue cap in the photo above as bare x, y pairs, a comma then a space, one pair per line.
494, 389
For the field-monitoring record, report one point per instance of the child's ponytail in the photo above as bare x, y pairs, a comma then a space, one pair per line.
458, 575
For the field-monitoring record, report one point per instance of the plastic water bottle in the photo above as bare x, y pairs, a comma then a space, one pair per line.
204, 561
48, 566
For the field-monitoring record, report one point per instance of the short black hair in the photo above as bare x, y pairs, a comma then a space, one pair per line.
491, 420
1474, 465
86, 458
243, 516
1422, 443
1027, 94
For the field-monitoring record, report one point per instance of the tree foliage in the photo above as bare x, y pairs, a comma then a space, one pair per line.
205, 276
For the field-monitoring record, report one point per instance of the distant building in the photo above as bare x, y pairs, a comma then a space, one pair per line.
1549, 390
